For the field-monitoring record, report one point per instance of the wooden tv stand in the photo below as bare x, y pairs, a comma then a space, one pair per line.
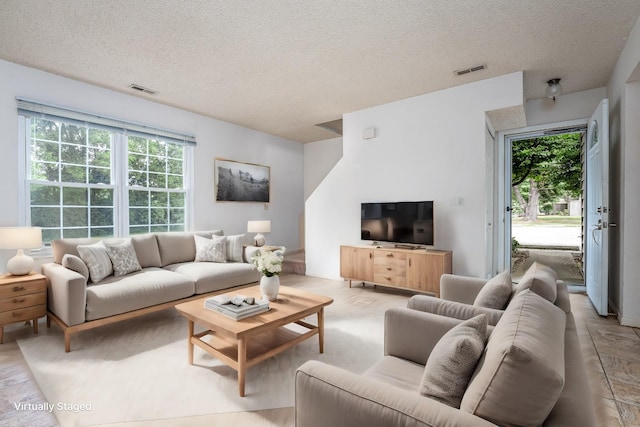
413, 269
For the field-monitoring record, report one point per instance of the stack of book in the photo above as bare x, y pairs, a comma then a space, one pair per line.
236, 307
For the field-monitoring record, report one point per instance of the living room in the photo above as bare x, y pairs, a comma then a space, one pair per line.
431, 145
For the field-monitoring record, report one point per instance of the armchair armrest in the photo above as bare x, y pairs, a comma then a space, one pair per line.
411, 334
453, 309
460, 288
330, 396
66, 293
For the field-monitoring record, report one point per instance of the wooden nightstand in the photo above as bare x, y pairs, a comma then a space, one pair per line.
22, 298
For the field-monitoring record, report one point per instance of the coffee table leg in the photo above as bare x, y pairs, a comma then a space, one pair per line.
189, 342
321, 328
242, 362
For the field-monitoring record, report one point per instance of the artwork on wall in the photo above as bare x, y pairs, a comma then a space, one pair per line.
241, 182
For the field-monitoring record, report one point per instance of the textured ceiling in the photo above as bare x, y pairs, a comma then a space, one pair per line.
281, 66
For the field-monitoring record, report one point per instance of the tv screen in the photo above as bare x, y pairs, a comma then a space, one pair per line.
400, 222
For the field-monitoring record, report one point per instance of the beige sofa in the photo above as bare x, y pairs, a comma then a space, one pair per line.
168, 275
531, 373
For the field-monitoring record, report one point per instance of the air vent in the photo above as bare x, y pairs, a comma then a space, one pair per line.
142, 89
470, 70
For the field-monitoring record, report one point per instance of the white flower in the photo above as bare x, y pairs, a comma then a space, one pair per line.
268, 262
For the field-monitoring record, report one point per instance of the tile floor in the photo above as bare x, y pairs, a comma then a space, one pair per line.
611, 351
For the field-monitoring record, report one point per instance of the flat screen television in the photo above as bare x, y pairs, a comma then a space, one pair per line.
399, 222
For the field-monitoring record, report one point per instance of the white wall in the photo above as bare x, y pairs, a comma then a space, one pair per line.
215, 139
429, 147
319, 158
624, 110
572, 106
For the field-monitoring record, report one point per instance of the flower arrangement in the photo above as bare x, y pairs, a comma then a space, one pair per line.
269, 263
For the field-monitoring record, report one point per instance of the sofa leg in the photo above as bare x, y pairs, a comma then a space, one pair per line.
67, 342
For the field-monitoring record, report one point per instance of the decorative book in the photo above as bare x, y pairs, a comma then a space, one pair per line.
237, 307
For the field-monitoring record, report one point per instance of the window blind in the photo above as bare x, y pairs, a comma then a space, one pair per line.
36, 109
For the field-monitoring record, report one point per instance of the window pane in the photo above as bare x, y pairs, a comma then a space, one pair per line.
44, 171
73, 174
72, 196
73, 134
74, 154
50, 234
177, 227
101, 216
157, 180
157, 164
73, 233
100, 138
138, 179
138, 198
101, 197
158, 198
159, 216
138, 230
75, 217
99, 157
137, 162
157, 148
176, 199
45, 129
175, 151
99, 176
174, 181
138, 216
176, 216
158, 228
137, 144
102, 232
45, 151
175, 166
45, 217
44, 195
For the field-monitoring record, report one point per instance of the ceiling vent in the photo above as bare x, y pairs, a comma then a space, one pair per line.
334, 126
142, 89
470, 70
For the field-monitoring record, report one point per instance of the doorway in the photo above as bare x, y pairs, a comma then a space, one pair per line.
546, 209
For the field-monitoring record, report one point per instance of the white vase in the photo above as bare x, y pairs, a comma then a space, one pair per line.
269, 287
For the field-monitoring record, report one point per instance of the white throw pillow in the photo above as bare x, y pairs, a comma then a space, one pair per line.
453, 361
123, 256
235, 246
211, 250
97, 260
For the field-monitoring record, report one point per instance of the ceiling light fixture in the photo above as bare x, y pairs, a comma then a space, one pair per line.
554, 89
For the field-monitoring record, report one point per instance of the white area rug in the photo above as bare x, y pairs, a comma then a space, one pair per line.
137, 370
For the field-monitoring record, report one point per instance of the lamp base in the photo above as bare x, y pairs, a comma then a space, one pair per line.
260, 240
20, 265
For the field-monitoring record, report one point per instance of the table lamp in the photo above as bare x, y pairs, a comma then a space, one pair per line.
259, 227
20, 238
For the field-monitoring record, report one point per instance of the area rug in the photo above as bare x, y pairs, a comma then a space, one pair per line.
137, 370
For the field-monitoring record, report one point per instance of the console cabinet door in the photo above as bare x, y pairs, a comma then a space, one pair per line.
356, 263
424, 271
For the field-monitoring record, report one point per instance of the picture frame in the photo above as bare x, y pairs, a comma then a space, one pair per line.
241, 182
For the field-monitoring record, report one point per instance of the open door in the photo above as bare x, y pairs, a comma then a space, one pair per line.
596, 227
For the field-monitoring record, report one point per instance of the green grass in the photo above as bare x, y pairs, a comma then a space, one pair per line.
549, 220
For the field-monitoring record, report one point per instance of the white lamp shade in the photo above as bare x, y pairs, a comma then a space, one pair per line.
259, 226
20, 237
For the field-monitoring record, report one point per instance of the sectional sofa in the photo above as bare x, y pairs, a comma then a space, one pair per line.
152, 272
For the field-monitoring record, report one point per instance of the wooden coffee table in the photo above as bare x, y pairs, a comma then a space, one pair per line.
247, 342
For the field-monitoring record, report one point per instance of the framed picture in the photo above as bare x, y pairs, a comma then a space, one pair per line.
241, 182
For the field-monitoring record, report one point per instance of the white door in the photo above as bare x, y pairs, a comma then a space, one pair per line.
596, 227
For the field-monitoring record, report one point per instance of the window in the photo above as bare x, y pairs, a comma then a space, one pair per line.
85, 180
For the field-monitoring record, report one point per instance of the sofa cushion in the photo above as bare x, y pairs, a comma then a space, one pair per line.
209, 277
541, 280
123, 256
97, 260
76, 264
521, 374
178, 247
145, 288
235, 246
60, 247
453, 360
495, 293
212, 249
398, 372
147, 251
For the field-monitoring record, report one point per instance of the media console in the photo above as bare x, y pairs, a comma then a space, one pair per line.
414, 269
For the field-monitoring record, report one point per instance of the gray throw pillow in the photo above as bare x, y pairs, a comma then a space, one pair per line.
76, 264
211, 250
495, 293
97, 260
453, 361
123, 257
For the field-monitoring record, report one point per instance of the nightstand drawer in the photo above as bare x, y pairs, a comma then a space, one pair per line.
23, 287
23, 301
23, 314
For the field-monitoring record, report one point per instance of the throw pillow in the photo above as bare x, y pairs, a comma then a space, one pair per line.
541, 280
211, 250
235, 244
453, 361
97, 260
74, 263
250, 252
123, 257
495, 293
